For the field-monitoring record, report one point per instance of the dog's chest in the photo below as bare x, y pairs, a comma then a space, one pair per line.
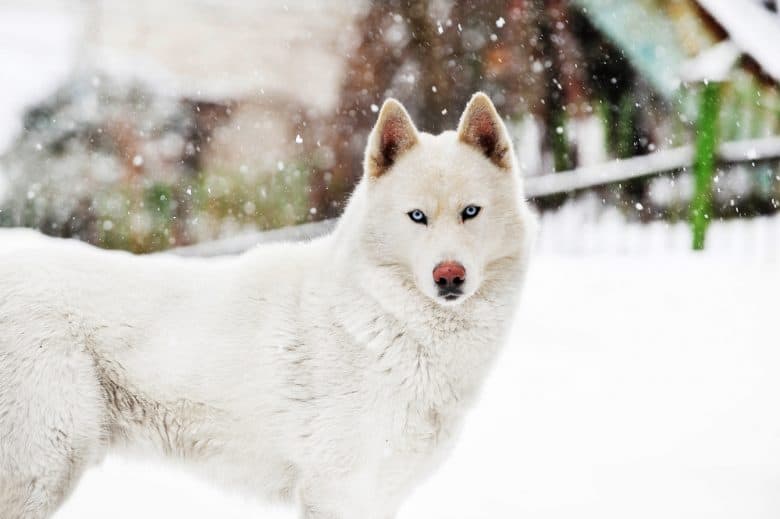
411, 443
422, 394
418, 383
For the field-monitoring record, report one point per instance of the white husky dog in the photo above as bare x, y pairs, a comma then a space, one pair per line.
334, 374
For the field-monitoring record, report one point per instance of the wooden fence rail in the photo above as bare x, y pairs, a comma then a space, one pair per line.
659, 162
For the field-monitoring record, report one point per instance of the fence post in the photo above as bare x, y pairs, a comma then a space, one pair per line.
704, 161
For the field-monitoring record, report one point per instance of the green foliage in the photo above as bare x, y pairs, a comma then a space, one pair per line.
560, 143
624, 138
275, 200
158, 216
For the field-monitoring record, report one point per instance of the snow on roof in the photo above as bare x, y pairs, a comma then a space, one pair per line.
237, 49
204, 49
753, 28
37, 50
713, 64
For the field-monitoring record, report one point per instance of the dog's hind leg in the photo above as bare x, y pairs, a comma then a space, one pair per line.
52, 415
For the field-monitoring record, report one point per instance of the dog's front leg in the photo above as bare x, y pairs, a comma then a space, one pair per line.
340, 497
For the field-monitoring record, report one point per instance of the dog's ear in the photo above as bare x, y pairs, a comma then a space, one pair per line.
481, 126
393, 134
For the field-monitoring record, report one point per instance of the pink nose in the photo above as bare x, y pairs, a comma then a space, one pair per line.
449, 274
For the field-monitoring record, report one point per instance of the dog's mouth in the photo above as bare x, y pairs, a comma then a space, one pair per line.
450, 294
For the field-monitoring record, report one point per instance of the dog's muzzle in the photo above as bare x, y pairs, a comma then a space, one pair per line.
449, 277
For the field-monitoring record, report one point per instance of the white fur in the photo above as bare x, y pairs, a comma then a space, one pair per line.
327, 373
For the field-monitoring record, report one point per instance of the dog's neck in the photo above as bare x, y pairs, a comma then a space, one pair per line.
386, 312
448, 348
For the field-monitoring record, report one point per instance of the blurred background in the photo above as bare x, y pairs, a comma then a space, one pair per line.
151, 125
640, 379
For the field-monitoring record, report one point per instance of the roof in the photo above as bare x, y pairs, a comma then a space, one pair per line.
753, 28
668, 42
641, 30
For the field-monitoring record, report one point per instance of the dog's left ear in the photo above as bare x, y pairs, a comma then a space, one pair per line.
393, 135
481, 126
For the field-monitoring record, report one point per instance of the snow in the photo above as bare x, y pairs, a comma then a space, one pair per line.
586, 228
136, 40
639, 382
713, 64
41, 42
633, 387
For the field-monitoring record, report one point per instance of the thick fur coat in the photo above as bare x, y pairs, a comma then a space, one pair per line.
332, 374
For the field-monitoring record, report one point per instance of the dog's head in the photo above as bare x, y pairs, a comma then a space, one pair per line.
443, 212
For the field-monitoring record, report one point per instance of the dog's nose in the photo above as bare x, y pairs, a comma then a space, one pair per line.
449, 275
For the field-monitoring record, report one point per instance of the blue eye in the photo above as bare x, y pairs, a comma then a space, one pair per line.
470, 212
418, 216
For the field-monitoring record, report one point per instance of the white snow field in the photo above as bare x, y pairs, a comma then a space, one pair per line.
635, 384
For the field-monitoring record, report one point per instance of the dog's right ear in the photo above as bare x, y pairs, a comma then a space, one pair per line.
481, 127
393, 135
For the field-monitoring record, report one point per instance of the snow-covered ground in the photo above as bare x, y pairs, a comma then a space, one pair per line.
636, 384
